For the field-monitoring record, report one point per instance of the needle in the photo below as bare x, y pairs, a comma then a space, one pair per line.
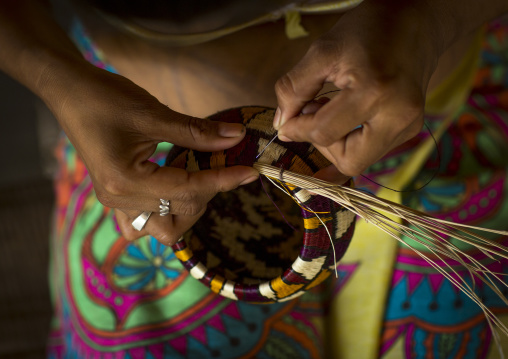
263, 150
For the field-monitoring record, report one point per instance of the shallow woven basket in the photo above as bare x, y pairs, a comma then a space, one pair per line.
243, 247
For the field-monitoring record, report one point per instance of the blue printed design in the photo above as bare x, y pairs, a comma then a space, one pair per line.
146, 265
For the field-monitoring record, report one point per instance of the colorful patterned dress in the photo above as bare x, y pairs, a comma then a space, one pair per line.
426, 316
120, 299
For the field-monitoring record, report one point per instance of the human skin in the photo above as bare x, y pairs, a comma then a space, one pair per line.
116, 125
382, 55
116, 121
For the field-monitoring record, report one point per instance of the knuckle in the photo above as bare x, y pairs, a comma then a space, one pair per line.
221, 187
105, 198
218, 182
284, 87
325, 46
190, 209
198, 128
327, 51
116, 186
110, 190
187, 204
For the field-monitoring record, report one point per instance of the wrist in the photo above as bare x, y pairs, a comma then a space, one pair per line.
402, 36
58, 76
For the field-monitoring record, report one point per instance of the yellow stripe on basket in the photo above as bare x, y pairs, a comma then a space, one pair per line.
184, 255
290, 186
283, 289
314, 222
217, 283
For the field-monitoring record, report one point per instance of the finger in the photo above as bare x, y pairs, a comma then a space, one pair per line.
190, 191
314, 105
299, 86
170, 232
364, 146
191, 132
187, 192
331, 122
125, 224
166, 229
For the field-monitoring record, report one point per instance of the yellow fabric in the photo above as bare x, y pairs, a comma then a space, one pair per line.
451, 93
396, 349
502, 344
357, 312
294, 29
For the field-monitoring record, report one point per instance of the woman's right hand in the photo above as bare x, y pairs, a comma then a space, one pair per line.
115, 126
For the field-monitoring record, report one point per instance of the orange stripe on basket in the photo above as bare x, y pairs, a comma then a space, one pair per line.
217, 283
184, 255
314, 222
282, 290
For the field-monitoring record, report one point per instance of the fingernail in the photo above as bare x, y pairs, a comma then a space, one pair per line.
285, 139
310, 107
231, 129
249, 180
276, 119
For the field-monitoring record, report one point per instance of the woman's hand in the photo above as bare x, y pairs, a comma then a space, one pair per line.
381, 57
116, 126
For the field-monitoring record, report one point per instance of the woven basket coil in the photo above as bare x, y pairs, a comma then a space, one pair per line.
243, 247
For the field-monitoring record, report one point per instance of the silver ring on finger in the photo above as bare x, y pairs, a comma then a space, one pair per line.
164, 207
139, 223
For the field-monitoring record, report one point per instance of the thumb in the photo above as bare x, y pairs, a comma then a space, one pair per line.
195, 133
193, 189
222, 179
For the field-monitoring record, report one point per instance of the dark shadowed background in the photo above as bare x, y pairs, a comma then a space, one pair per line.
26, 200
28, 133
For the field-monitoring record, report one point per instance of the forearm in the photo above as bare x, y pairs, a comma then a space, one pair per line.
411, 35
451, 20
36, 51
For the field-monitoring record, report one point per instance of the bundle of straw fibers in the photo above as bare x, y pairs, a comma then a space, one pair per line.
245, 249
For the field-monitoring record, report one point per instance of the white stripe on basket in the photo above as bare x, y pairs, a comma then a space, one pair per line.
227, 290
267, 291
198, 271
343, 220
308, 269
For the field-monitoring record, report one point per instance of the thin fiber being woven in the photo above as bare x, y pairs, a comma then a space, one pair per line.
242, 247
